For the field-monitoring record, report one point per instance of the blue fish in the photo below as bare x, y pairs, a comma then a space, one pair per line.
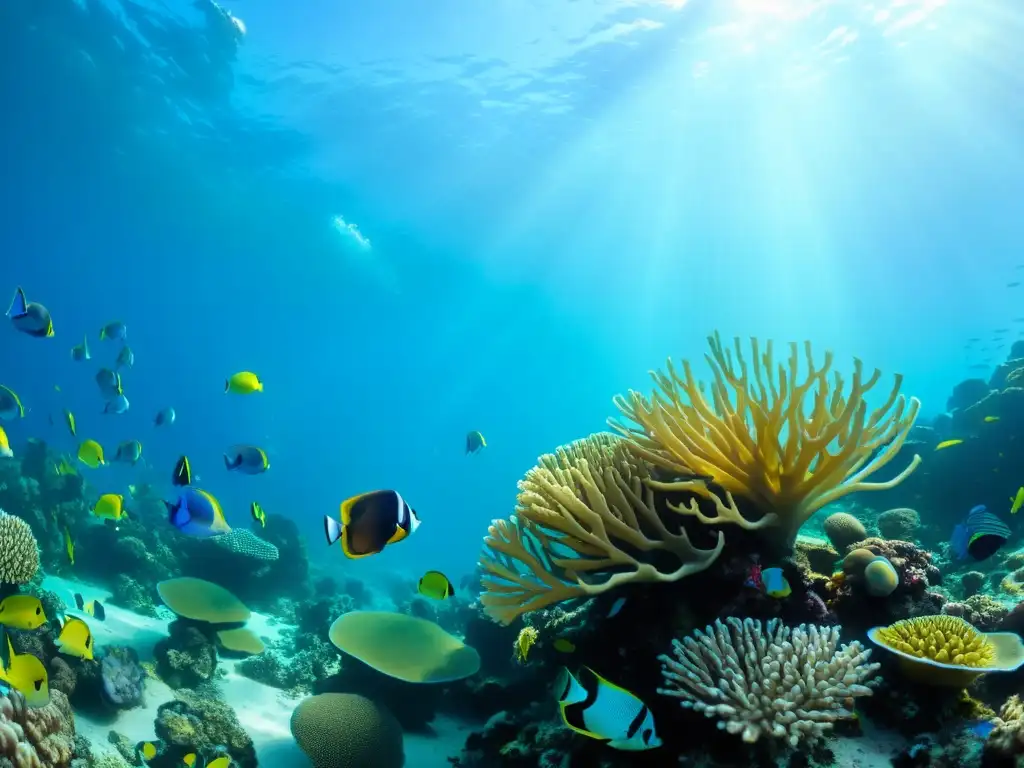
775, 583
979, 536
197, 513
29, 317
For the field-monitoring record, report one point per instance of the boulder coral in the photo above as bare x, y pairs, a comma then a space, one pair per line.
36, 738
19, 553
343, 730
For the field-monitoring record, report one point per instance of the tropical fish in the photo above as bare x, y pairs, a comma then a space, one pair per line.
117, 405
22, 612
90, 453
129, 452
110, 506
75, 638
182, 472
109, 382
197, 513
65, 467
247, 459
10, 404
1016, 502
80, 352
29, 317
221, 762
980, 535
147, 750
525, 640
69, 422
26, 674
125, 358
5, 445
475, 442
165, 417
774, 583
436, 585
189, 760
563, 646
243, 383
616, 607
371, 521
258, 514
114, 331
92, 607
604, 711
947, 444
991, 419
69, 545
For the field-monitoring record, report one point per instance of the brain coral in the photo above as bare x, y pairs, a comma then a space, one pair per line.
19, 554
843, 529
248, 544
343, 730
202, 600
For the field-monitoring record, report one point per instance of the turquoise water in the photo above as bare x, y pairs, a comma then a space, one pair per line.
551, 198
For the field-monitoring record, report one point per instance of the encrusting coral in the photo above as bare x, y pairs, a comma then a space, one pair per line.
19, 553
788, 683
786, 441
586, 511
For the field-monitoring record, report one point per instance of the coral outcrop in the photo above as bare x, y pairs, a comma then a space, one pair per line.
36, 738
19, 553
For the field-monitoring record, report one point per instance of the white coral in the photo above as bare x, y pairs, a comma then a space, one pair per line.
790, 683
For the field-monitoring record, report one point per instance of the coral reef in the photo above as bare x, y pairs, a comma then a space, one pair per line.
844, 530
900, 523
19, 553
36, 738
340, 730
205, 725
187, 657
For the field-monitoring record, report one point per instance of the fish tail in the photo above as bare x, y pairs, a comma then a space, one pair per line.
332, 529
229, 464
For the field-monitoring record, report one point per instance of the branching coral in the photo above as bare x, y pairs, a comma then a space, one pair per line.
585, 523
788, 440
19, 554
789, 683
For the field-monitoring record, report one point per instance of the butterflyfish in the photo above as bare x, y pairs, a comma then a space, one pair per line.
69, 422
147, 750
92, 607
979, 536
90, 453
110, 506
775, 584
371, 521
109, 382
5, 445
947, 444
117, 405
197, 513
26, 674
1016, 502
189, 760
182, 472
30, 317
75, 638
129, 452
22, 612
243, 383
165, 417
115, 331
475, 442
599, 709
435, 585
80, 352
10, 404
69, 545
125, 358
247, 459
258, 514
65, 467
221, 762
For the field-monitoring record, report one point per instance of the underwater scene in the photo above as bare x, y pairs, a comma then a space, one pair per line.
535, 384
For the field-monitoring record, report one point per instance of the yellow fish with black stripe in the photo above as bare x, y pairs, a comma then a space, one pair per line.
595, 707
75, 638
258, 514
435, 585
22, 612
92, 607
26, 674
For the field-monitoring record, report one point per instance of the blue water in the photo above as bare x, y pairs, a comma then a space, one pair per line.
552, 196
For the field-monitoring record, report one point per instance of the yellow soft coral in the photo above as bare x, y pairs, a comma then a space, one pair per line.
788, 441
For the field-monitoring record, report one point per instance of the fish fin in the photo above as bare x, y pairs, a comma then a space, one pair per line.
572, 716
569, 689
227, 386
332, 529
399, 534
229, 464
49, 330
609, 684
19, 304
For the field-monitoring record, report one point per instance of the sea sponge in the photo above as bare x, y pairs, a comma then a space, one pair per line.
901, 523
585, 523
19, 553
241, 640
202, 600
880, 578
972, 582
246, 543
857, 560
843, 530
788, 683
343, 730
404, 647
788, 441
948, 651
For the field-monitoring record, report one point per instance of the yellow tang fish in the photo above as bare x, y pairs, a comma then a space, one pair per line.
5, 445
65, 467
110, 506
90, 453
22, 612
947, 444
75, 638
436, 585
27, 675
243, 383
1017, 501
220, 762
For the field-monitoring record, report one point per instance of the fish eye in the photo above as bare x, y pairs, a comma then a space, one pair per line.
39, 609
39, 685
647, 735
88, 641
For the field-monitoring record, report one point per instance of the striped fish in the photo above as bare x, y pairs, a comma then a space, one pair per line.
979, 536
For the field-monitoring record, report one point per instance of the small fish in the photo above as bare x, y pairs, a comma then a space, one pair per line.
69, 422
775, 583
69, 545
182, 473
1016, 502
525, 640
147, 750
602, 710
563, 646
221, 762
117, 405
435, 585
26, 674
29, 317
247, 459
257, 513
75, 638
92, 607
475, 442
90, 453
22, 612
110, 506
125, 358
115, 331
616, 607
991, 419
980, 535
165, 418
371, 521
947, 444
80, 352
243, 383
129, 452
197, 513
10, 404
65, 467
5, 445
109, 382
189, 760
